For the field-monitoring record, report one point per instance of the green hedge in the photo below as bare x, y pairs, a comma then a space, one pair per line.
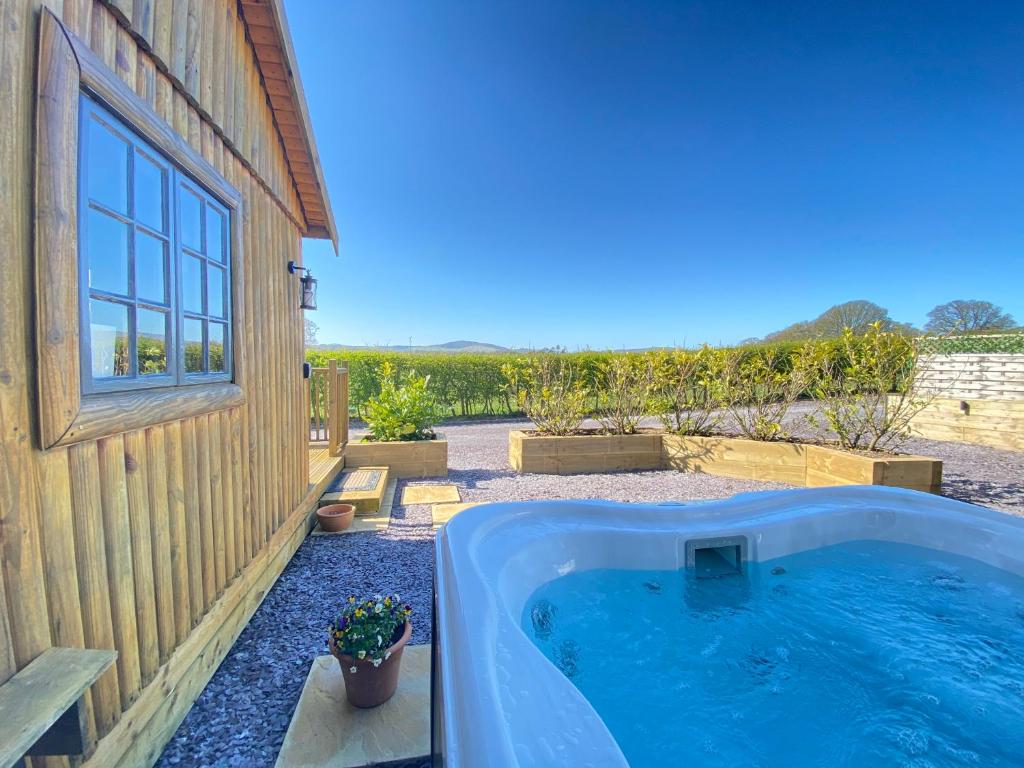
467, 385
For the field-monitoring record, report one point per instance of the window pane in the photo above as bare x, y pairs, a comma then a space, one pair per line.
151, 341
107, 167
192, 283
108, 336
193, 346
191, 220
149, 192
107, 250
215, 290
215, 235
217, 334
150, 260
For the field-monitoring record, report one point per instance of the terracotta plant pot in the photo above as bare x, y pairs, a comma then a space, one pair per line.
335, 517
371, 686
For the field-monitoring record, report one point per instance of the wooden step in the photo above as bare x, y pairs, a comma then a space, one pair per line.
363, 487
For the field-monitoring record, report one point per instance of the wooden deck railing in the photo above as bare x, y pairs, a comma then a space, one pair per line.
328, 406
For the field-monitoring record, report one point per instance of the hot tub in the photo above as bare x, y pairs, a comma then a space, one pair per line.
500, 701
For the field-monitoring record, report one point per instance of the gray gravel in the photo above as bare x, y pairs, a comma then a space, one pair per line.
242, 715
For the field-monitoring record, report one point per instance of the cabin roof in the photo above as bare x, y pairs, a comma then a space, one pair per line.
272, 42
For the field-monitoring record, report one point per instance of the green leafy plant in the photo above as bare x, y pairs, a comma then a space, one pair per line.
404, 409
365, 629
868, 389
550, 394
759, 387
690, 394
627, 382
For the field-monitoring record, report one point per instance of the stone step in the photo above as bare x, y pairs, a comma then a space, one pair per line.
363, 487
328, 731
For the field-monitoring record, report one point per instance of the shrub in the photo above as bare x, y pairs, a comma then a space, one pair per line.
627, 382
758, 388
404, 409
554, 400
365, 629
866, 388
690, 394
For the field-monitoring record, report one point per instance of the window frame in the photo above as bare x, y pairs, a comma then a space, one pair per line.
175, 181
69, 411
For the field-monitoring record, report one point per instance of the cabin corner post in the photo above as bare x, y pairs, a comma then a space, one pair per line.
56, 232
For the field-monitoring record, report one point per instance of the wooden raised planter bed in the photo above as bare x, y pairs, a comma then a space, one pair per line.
413, 458
548, 455
791, 463
814, 466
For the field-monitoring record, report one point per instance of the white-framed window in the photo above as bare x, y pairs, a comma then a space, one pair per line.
154, 265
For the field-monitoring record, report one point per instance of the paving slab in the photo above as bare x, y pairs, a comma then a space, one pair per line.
442, 513
328, 732
429, 494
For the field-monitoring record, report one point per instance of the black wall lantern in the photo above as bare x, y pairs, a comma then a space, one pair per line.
307, 283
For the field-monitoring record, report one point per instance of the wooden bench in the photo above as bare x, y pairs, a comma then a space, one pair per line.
41, 710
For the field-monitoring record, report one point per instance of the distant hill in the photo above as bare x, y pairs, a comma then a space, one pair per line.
461, 346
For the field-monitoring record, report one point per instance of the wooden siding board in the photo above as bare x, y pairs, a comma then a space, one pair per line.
180, 523
179, 41
197, 551
93, 587
229, 512
120, 574
211, 577
211, 430
59, 562
164, 584
136, 470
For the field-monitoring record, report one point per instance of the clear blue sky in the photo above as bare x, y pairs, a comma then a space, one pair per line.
626, 174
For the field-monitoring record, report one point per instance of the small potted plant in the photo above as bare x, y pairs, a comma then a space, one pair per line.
367, 637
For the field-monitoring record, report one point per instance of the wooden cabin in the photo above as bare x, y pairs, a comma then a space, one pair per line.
158, 173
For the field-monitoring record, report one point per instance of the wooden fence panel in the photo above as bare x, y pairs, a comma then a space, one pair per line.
983, 376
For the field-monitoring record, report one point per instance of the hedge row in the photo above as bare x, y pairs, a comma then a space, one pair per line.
467, 385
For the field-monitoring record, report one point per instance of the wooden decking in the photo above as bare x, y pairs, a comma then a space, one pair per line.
322, 464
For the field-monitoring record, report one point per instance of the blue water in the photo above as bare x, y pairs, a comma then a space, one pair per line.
862, 654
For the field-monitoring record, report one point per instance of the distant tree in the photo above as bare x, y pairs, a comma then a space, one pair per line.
968, 315
794, 332
858, 316
311, 331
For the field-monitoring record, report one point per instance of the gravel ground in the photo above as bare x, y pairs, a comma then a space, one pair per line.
241, 717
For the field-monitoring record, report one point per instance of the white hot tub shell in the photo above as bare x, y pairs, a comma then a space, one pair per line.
498, 701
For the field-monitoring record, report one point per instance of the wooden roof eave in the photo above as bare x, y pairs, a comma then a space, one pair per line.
272, 42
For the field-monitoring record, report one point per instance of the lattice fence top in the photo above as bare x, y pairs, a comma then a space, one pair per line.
987, 344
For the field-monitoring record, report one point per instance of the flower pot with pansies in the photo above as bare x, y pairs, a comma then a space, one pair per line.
367, 637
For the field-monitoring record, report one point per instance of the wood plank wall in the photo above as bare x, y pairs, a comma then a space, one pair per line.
127, 542
996, 423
